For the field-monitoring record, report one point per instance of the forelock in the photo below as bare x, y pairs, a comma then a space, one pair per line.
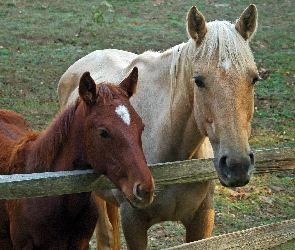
224, 39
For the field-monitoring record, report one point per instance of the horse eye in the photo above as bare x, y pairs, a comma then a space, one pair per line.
104, 134
256, 79
199, 82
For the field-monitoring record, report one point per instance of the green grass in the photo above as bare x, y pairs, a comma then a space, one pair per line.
39, 40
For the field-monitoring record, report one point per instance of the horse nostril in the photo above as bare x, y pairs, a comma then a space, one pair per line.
236, 171
224, 167
251, 155
138, 192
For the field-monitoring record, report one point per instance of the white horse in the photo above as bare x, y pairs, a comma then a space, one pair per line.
198, 89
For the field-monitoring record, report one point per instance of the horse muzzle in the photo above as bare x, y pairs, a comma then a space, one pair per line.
141, 196
234, 171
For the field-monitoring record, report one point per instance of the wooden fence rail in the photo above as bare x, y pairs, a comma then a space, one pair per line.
263, 237
66, 182
56, 183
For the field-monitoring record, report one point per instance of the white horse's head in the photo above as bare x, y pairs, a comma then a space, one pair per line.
224, 74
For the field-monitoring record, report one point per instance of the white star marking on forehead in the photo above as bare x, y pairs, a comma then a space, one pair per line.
123, 113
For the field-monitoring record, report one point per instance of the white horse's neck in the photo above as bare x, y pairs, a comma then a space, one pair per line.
181, 70
181, 115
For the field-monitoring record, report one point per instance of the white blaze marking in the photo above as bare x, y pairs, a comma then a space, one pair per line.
226, 64
123, 112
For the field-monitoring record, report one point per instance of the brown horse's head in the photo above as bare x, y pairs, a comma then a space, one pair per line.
113, 132
224, 74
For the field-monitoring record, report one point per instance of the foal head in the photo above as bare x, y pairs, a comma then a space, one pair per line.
112, 131
224, 74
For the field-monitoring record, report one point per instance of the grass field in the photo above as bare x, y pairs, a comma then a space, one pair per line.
39, 40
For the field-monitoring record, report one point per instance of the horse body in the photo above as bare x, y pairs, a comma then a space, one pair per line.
91, 133
35, 222
199, 89
41, 223
156, 105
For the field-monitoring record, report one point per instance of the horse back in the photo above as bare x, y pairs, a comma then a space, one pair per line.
108, 65
13, 127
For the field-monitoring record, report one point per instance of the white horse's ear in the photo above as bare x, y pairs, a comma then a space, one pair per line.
129, 84
87, 89
247, 23
196, 24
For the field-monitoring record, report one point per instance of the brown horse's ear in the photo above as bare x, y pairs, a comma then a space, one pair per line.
196, 24
87, 89
247, 23
129, 84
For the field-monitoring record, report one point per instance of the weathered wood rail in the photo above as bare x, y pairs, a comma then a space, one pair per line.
57, 183
263, 237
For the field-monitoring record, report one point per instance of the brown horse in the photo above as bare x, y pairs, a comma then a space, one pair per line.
101, 130
199, 90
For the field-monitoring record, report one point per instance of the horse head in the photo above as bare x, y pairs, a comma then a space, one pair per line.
224, 74
113, 132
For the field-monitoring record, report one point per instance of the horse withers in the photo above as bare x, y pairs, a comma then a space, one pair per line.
200, 89
100, 130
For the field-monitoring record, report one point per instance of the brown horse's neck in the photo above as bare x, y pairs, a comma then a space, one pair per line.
45, 151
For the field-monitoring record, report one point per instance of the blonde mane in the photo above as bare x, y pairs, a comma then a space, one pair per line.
221, 38
181, 65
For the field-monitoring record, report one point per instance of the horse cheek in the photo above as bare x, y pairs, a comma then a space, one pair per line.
246, 109
201, 112
95, 152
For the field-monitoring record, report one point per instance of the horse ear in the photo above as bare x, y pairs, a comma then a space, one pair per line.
129, 84
87, 89
196, 24
247, 23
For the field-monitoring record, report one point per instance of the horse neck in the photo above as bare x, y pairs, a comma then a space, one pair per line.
183, 126
182, 60
181, 73
45, 152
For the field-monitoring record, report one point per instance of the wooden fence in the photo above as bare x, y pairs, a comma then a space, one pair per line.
263, 237
66, 182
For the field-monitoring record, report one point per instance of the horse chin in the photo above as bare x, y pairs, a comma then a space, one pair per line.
225, 183
137, 203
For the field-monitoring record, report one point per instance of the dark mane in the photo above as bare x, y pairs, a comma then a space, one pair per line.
37, 151
49, 142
